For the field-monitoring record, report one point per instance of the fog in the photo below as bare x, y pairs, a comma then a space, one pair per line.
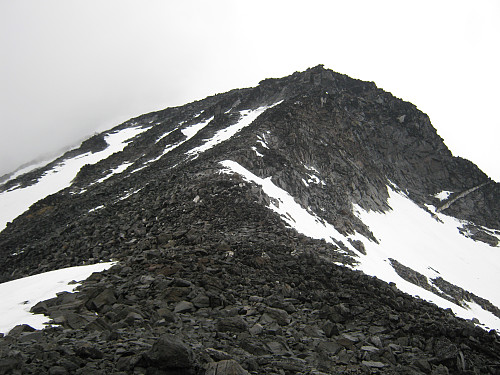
70, 69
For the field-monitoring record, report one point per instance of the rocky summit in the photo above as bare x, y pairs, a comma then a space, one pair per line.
314, 224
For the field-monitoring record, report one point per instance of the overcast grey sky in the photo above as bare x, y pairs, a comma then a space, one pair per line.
70, 68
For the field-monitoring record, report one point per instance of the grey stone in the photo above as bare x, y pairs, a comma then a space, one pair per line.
256, 329
106, 297
21, 328
184, 307
168, 352
225, 367
232, 324
133, 317
58, 370
201, 300
166, 314
278, 315
373, 364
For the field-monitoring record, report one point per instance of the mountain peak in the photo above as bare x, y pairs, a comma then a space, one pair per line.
251, 224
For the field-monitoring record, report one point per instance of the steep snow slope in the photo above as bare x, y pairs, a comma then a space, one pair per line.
432, 246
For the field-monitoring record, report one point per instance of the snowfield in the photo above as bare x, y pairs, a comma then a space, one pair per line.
431, 246
19, 296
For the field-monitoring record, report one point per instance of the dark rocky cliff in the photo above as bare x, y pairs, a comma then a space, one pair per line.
211, 281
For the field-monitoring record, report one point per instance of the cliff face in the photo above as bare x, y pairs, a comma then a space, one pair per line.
239, 222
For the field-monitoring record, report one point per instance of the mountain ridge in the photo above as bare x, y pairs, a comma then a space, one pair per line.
287, 172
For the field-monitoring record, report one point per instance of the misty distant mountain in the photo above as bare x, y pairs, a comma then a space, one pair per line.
308, 225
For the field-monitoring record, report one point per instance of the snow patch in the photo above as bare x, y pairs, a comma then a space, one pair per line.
246, 118
128, 194
189, 132
433, 247
30, 290
27, 169
96, 208
15, 202
165, 135
114, 171
261, 139
443, 195
313, 179
192, 130
311, 168
284, 204
257, 152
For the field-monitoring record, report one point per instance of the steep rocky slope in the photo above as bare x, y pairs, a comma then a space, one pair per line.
204, 255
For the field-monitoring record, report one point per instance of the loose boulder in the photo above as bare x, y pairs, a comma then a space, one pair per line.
169, 353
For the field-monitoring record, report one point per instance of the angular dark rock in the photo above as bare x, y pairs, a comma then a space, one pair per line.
225, 367
9, 365
231, 324
183, 307
275, 315
169, 353
106, 297
21, 328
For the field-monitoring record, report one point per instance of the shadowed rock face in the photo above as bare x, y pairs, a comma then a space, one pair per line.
210, 280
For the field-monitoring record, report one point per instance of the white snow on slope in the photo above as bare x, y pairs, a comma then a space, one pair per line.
414, 238
443, 195
189, 132
411, 236
313, 179
100, 207
257, 152
18, 296
246, 118
15, 202
165, 135
310, 168
262, 140
121, 168
284, 204
192, 130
